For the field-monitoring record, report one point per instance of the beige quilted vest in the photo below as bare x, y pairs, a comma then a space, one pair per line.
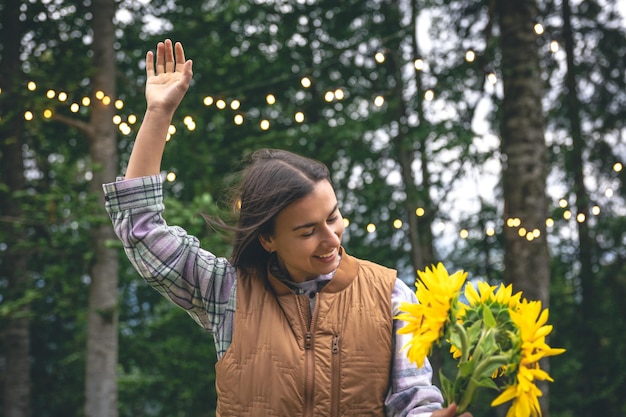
285, 362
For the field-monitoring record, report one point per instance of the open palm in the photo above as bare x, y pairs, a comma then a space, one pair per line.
168, 79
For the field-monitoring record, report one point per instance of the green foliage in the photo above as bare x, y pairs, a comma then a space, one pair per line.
166, 363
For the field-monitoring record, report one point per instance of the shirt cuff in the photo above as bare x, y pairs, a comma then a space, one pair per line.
133, 193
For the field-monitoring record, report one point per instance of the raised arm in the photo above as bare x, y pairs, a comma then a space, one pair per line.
167, 82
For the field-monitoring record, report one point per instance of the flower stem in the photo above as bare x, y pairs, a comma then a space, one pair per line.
464, 341
473, 384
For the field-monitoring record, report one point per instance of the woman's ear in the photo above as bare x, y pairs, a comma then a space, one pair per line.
266, 242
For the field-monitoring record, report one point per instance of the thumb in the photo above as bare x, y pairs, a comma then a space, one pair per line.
451, 410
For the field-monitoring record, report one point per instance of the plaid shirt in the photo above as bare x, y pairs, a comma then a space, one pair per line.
205, 285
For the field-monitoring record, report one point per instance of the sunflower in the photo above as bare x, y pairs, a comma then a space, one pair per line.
530, 321
437, 293
498, 299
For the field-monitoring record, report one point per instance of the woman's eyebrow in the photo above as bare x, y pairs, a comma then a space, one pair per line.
311, 224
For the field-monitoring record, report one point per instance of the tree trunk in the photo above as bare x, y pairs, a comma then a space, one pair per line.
16, 381
102, 336
524, 153
575, 166
406, 150
420, 229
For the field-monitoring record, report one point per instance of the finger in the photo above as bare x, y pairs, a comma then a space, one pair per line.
160, 58
169, 56
149, 64
180, 56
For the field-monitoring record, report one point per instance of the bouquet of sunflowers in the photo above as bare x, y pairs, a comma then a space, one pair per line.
497, 337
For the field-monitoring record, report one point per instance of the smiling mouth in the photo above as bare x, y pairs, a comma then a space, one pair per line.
326, 255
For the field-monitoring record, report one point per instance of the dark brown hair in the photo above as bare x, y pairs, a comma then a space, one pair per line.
271, 180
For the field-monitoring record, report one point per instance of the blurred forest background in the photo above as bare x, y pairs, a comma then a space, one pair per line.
489, 135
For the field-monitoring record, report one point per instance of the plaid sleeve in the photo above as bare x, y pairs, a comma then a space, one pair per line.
411, 392
169, 259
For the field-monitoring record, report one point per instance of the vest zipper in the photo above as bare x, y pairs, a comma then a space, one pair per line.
309, 357
335, 377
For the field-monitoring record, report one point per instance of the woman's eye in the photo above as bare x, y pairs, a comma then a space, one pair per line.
333, 219
308, 234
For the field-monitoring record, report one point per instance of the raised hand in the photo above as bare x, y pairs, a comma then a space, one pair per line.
168, 80
166, 84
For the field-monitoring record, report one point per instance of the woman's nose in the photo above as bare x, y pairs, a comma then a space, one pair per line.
333, 234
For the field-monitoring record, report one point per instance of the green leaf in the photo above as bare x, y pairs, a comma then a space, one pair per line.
488, 318
447, 389
486, 383
466, 369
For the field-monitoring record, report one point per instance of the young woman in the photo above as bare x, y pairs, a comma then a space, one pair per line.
301, 327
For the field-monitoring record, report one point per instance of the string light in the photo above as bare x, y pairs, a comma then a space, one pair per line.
513, 222
306, 82
299, 117
189, 123
554, 46
125, 128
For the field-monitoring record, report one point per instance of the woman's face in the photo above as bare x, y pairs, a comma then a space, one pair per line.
307, 234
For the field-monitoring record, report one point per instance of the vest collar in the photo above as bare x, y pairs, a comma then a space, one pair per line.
344, 275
